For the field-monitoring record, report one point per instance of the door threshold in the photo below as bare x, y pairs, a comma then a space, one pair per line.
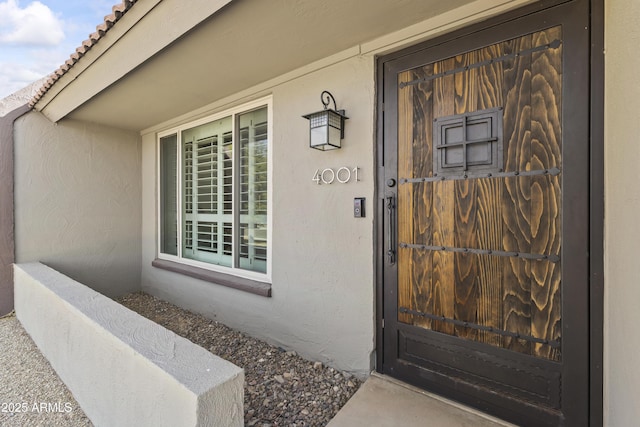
386, 401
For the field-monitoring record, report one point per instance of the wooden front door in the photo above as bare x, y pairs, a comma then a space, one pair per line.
485, 198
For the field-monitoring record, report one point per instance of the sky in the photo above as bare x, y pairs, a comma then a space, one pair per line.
36, 37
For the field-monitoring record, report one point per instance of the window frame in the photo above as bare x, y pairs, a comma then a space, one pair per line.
234, 270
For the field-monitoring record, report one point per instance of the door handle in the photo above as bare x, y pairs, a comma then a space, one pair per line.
391, 253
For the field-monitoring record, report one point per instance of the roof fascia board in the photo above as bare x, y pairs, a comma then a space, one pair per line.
135, 14
146, 29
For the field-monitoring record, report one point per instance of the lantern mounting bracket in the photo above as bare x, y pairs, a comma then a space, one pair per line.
326, 98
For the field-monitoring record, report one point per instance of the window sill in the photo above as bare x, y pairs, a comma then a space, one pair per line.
240, 283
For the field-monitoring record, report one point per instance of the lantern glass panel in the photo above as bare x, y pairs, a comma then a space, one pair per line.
318, 136
335, 120
319, 119
334, 138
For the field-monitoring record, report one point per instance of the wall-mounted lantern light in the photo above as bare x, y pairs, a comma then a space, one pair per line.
326, 126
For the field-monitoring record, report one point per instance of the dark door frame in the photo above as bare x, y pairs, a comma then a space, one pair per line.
596, 190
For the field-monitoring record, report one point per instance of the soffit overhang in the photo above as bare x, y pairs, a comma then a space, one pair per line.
162, 59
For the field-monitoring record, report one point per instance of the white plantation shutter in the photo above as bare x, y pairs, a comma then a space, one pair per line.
253, 190
207, 162
187, 194
222, 214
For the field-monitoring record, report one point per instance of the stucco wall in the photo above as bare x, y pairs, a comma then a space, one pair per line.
77, 201
323, 274
622, 204
124, 369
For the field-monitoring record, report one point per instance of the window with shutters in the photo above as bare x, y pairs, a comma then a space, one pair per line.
214, 192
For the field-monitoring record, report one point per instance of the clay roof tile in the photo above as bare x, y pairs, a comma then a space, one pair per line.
109, 20
118, 10
102, 28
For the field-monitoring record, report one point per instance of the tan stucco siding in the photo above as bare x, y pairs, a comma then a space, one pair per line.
77, 201
622, 204
322, 270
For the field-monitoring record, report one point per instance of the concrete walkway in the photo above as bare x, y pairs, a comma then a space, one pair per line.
383, 401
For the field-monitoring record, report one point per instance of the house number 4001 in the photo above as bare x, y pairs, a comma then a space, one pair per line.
341, 175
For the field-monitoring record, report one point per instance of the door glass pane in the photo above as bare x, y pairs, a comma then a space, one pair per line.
253, 190
168, 194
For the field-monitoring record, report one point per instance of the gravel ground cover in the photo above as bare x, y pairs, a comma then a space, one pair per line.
281, 388
31, 394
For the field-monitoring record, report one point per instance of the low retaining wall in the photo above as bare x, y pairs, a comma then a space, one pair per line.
122, 368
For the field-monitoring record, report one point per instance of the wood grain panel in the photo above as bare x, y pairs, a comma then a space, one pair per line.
422, 154
489, 212
404, 202
546, 101
545, 275
516, 194
514, 214
546, 310
546, 137
444, 89
489, 232
443, 209
466, 265
443, 262
491, 77
466, 83
422, 194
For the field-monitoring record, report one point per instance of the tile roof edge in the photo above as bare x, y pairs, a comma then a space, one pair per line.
118, 11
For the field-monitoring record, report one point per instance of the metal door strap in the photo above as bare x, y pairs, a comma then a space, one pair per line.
536, 257
553, 45
467, 175
550, 343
